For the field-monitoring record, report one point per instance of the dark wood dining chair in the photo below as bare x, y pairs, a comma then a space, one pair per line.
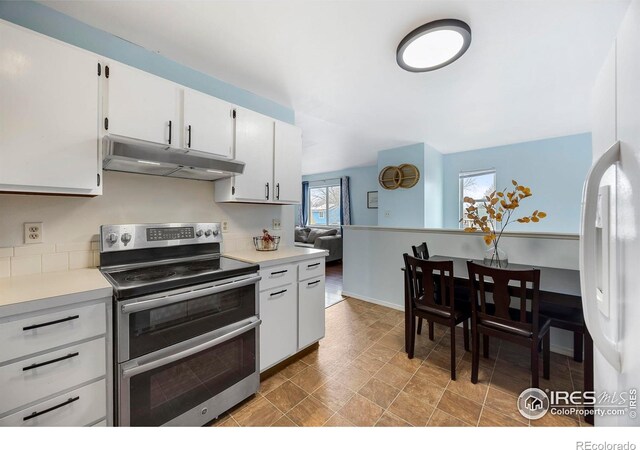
434, 304
570, 319
422, 251
521, 325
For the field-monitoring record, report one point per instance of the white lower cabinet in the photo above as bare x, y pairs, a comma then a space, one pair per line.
291, 309
55, 369
79, 406
33, 378
311, 268
278, 331
42, 332
310, 311
277, 276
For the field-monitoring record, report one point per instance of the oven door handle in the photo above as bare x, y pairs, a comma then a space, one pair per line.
163, 301
128, 373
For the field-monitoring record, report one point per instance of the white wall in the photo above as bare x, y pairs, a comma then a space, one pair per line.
134, 198
372, 260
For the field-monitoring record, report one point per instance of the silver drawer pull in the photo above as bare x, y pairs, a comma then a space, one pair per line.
35, 414
53, 322
46, 363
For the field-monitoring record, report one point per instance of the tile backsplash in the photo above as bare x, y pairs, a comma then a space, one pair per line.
38, 258
41, 258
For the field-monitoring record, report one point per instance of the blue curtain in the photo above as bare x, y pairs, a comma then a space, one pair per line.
304, 206
345, 195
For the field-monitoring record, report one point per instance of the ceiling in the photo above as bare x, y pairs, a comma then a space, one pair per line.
527, 75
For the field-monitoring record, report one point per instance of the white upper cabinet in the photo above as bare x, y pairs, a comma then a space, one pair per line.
49, 114
57, 101
208, 124
254, 147
287, 167
142, 106
272, 152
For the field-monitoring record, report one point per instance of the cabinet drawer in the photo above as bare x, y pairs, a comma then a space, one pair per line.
278, 331
77, 408
310, 311
310, 269
277, 276
34, 378
34, 334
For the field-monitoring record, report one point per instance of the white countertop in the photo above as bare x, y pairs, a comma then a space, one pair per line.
281, 256
28, 288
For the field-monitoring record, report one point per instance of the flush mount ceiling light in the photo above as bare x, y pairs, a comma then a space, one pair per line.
433, 45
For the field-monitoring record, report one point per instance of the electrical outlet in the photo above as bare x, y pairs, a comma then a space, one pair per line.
387, 213
276, 224
225, 226
33, 233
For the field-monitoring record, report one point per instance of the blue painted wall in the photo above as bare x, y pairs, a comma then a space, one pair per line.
402, 207
362, 180
47, 21
555, 169
421, 205
433, 187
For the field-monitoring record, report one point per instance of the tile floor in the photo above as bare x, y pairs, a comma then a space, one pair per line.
360, 376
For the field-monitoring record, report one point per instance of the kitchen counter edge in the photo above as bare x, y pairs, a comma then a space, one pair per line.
281, 256
28, 293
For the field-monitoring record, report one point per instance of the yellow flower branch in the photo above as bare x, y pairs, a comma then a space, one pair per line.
500, 206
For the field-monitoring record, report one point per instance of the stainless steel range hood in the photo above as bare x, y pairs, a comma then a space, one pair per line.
124, 154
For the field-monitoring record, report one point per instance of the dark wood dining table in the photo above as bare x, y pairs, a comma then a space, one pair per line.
557, 287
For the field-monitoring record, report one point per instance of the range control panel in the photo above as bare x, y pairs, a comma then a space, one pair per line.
136, 236
170, 233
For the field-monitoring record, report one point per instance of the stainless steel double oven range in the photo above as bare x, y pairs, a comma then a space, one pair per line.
186, 323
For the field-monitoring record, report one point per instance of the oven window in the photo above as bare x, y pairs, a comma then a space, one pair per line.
157, 328
162, 394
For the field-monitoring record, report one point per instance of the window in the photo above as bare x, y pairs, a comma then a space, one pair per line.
476, 185
324, 205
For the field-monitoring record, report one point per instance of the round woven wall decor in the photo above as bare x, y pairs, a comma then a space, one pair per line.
410, 175
403, 176
390, 177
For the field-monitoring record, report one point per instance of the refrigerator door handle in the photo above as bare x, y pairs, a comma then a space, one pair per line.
588, 255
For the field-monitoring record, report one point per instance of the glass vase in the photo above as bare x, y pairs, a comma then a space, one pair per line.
496, 257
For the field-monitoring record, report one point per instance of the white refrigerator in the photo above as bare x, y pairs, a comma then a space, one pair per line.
610, 232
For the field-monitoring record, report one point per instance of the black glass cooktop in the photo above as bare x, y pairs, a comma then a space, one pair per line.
140, 281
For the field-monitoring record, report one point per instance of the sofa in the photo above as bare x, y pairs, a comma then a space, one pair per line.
328, 239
